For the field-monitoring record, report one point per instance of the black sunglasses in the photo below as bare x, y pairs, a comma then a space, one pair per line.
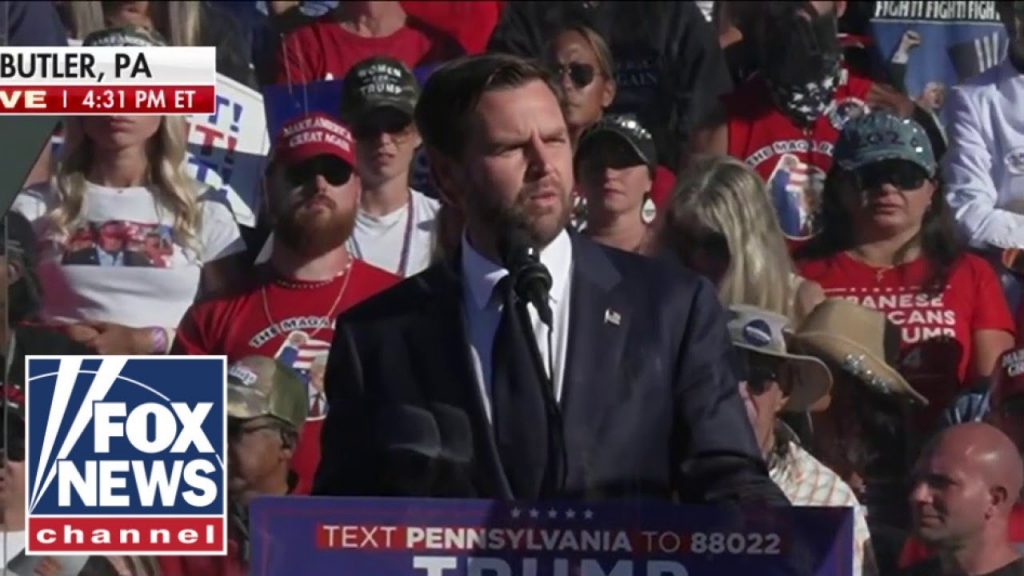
899, 173
237, 428
395, 126
580, 74
609, 153
335, 170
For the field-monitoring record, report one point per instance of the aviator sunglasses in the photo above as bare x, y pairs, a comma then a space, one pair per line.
580, 74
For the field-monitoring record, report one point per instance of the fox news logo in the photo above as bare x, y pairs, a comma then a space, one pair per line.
126, 455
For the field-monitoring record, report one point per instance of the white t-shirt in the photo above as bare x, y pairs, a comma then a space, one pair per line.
118, 262
379, 240
15, 544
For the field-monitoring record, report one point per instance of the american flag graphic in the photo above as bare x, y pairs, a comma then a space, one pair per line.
793, 187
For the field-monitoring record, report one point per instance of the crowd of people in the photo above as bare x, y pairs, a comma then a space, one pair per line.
772, 276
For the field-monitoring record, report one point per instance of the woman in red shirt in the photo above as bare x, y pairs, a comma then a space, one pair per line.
887, 242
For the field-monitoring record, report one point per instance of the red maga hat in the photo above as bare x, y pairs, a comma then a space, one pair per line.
313, 135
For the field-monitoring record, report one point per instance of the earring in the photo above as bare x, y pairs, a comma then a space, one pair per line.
648, 211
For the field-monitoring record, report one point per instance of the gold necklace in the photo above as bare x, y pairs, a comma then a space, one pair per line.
879, 270
347, 272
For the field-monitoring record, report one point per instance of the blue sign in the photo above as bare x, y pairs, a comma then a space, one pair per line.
409, 537
929, 47
125, 455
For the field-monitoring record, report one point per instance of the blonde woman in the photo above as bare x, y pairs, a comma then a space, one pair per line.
182, 23
125, 241
720, 221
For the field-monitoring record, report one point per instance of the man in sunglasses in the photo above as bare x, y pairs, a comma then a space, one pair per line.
774, 381
395, 224
984, 167
267, 408
287, 309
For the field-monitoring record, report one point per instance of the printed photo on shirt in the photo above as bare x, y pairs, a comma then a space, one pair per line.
119, 243
796, 188
308, 358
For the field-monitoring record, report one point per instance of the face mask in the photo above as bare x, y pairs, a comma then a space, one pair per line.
800, 60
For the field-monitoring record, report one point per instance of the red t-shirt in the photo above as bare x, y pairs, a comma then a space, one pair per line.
792, 160
301, 331
323, 50
470, 23
936, 332
230, 565
915, 552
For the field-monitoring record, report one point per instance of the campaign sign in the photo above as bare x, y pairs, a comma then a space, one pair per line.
930, 47
125, 455
410, 537
227, 150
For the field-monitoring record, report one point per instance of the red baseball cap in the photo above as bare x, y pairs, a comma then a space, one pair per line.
1008, 379
313, 135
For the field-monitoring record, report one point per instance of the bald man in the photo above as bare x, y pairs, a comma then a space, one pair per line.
965, 485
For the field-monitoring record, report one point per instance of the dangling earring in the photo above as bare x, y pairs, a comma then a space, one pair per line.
648, 211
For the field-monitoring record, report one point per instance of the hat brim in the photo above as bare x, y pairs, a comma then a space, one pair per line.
837, 348
403, 107
875, 156
595, 136
810, 379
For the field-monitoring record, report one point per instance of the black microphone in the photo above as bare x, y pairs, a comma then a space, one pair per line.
531, 280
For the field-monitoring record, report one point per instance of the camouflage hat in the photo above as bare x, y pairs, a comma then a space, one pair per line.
259, 386
125, 37
881, 135
377, 83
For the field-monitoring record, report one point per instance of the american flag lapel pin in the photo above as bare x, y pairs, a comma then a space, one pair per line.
612, 317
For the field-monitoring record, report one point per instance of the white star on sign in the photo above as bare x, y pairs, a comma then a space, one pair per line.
552, 513
534, 513
570, 514
515, 512
588, 515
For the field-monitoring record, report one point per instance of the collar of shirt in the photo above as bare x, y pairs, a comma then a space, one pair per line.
480, 275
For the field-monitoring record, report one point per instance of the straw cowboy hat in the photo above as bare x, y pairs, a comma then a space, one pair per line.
860, 341
762, 332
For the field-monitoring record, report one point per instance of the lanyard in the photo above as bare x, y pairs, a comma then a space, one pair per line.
403, 259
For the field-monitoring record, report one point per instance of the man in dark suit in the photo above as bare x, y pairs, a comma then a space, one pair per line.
431, 394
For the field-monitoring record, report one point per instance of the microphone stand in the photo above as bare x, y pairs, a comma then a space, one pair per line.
557, 467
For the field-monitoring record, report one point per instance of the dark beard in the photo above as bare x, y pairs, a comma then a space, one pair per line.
311, 236
499, 217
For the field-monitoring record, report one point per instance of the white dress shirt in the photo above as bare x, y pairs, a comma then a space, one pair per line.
482, 310
984, 166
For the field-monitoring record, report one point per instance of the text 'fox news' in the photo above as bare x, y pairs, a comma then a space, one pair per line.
126, 455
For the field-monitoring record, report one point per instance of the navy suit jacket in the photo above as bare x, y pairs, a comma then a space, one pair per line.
650, 406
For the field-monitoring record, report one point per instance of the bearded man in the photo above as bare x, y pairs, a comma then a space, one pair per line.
288, 310
613, 381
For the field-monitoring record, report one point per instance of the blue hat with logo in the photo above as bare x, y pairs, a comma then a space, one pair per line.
881, 135
760, 332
